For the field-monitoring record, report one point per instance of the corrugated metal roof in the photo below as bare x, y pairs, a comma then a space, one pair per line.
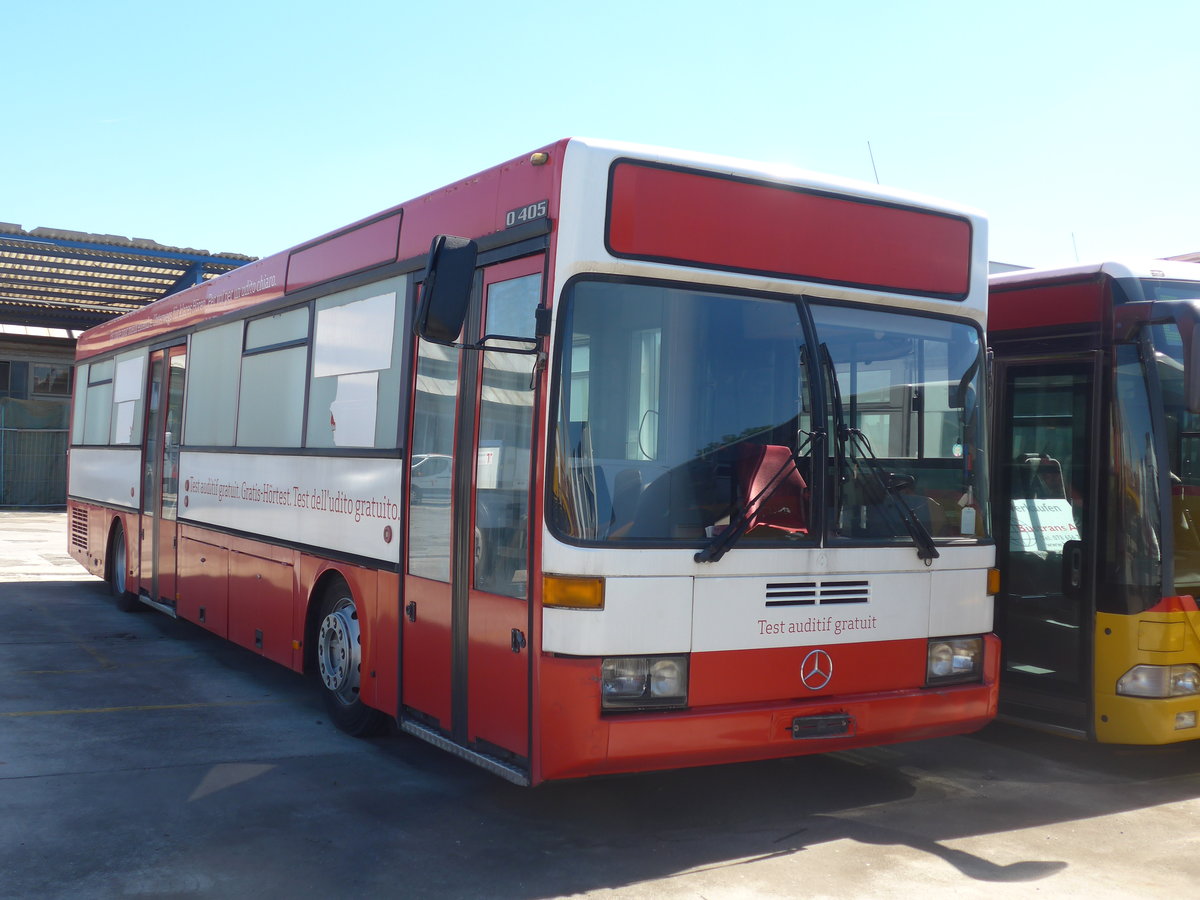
51, 278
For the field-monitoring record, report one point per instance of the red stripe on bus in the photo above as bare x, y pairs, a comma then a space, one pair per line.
353, 250
1184, 603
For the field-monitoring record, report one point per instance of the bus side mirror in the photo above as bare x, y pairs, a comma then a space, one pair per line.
446, 289
1186, 315
1191, 377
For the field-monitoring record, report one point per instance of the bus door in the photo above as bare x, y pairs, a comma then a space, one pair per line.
160, 476
1045, 511
466, 626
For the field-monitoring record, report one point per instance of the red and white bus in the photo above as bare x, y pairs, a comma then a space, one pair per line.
606, 459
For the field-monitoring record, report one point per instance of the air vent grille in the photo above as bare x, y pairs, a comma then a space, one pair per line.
817, 593
79, 528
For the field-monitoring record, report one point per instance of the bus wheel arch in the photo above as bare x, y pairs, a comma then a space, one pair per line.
333, 656
117, 571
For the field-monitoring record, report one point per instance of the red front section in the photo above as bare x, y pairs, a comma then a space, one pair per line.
879, 686
657, 213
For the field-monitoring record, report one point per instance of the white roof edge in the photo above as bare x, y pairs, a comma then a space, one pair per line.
1125, 268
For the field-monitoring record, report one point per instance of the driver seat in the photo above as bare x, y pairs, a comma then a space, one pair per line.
774, 492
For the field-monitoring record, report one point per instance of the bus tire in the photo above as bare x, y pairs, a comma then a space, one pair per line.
339, 663
118, 570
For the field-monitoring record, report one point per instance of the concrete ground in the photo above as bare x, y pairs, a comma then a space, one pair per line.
140, 756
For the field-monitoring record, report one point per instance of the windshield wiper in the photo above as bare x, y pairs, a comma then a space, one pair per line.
840, 433
722, 543
845, 434
887, 487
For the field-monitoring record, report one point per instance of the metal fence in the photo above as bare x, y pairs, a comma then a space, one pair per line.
33, 467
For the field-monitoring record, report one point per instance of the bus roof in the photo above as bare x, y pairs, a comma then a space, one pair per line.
468, 208
1126, 268
366, 244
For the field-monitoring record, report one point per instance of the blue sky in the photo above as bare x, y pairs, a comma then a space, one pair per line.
249, 127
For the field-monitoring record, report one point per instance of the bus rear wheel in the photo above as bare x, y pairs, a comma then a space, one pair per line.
339, 664
118, 568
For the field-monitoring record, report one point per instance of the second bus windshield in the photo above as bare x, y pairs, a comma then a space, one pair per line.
683, 411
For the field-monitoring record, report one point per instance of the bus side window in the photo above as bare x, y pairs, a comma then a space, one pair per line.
354, 386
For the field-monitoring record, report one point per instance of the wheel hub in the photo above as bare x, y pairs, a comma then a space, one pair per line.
338, 654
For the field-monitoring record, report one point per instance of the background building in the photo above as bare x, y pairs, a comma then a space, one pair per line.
53, 285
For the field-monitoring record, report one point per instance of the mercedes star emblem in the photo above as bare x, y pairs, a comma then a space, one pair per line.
816, 670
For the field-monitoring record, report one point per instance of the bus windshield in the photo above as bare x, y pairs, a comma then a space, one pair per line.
907, 454
683, 412
1135, 289
663, 393
1183, 454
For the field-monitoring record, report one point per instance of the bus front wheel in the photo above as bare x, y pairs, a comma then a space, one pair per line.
339, 663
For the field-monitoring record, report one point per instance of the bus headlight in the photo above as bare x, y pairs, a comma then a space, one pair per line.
1160, 681
641, 682
951, 660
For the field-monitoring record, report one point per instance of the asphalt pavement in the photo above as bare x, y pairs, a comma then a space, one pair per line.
141, 756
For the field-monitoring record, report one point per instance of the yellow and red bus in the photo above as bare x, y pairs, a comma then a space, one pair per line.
606, 459
1097, 388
